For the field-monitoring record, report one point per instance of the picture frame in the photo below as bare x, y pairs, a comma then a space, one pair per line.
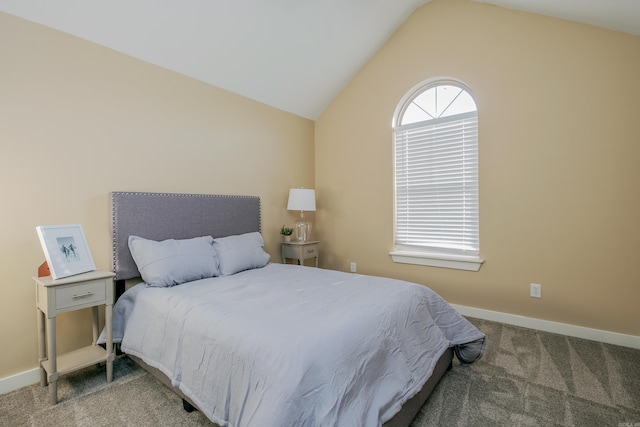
65, 249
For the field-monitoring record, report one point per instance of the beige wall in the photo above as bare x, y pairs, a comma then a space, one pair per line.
78, 121
559, 162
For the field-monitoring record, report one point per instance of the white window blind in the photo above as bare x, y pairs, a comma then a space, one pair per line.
436, 185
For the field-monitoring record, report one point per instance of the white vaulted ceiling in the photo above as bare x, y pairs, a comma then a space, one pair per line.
295, 55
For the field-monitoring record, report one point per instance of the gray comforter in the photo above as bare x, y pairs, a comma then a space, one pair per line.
287, 345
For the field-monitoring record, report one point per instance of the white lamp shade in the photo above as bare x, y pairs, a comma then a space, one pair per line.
302, 199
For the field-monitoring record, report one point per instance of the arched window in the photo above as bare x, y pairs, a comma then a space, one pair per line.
436, 177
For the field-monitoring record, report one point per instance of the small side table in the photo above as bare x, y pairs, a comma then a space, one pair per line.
87, 290
300, 251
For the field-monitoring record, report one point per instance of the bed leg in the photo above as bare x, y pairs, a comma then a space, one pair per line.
188, 406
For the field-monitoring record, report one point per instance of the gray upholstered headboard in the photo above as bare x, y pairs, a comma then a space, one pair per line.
160, 216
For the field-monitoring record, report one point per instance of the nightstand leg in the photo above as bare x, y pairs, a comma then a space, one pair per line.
95, 325
52, 354
108, 313
53, 392
42, 347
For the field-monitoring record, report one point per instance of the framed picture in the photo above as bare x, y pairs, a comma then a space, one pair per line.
65, 249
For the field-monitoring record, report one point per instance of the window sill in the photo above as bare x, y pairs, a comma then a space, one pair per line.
457, 262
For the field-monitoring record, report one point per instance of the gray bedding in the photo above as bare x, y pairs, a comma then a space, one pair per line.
290, 345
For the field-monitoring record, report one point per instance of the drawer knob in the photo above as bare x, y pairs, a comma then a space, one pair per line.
86, 294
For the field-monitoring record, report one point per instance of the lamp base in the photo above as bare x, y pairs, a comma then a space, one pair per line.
302, 229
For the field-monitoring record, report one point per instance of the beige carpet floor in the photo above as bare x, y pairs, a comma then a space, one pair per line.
533, 378
526, 378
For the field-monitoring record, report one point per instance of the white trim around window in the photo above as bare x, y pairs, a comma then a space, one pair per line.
436, 203
432, 259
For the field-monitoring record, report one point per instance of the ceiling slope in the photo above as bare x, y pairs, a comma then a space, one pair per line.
295, 55
617, 15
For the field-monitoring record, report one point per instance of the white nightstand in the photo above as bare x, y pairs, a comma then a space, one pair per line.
300, 251
68, 294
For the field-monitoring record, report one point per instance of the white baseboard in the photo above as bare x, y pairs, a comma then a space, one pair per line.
614, 338
19, 380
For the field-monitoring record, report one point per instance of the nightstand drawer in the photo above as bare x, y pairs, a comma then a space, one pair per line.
80, 294
310, 251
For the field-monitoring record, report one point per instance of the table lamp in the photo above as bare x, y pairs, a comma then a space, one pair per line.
302, 199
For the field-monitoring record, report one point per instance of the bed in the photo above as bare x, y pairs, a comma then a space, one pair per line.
250, 342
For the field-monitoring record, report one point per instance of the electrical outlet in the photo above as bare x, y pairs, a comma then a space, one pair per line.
536, 290
353, 267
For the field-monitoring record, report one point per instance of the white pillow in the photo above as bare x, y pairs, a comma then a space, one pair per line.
240, 252
172, 262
